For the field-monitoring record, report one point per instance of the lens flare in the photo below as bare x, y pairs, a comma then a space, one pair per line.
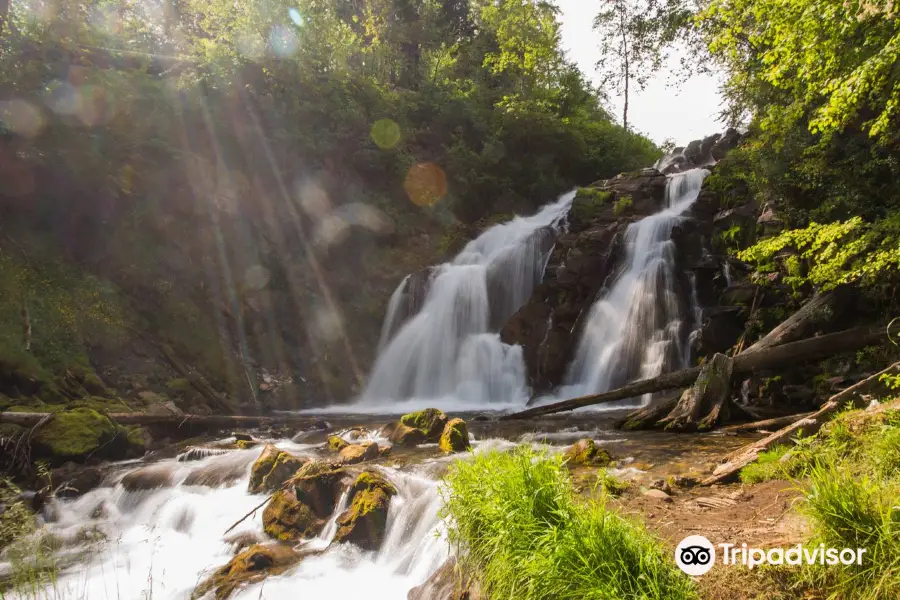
425, 184
21, 118
385, 134
283, 41
256, 277
296, 17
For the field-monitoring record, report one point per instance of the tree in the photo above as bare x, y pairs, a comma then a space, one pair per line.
628, 56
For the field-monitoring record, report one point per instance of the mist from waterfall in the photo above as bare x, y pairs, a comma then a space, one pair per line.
449, 349
640, 327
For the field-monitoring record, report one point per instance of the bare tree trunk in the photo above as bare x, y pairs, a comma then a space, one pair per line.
26, 327
706, 402
817, 311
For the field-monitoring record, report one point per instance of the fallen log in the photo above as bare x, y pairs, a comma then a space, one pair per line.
764, 425
809, 424
30, 419
818, 311
803, 350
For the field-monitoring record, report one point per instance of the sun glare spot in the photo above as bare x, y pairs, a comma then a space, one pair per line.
313, 199
386, 133
21, 118
283, 41
326, 324
251, 46
256, 277
426, 184
296, 17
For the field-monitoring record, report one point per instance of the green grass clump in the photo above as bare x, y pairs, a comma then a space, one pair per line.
528, 538
849, 511
611, 484
622, 204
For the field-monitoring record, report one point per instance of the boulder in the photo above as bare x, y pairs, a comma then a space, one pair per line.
430, 421
365, 521
217, 473
449, 582
148, 478
79, 434
455, 437
272, 469
337, 443
725, 144
72, 480
586, 452
301, 509
357, 453
250, 566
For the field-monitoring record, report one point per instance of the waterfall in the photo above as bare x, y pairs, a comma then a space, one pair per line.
449, 348
639, 327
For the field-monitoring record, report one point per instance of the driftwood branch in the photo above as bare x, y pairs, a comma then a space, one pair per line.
804, 350
764, 425
807, 424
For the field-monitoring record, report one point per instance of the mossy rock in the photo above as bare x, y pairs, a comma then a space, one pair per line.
336, 443
287, 519
357, 453
364, 523
318, 484
430, 421
246, 444
589, 203
95, 386
79, 434
455, 437
250, 566
407, 436
586, 452
272, 469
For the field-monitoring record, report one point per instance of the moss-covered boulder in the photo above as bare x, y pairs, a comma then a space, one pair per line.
365, 521
336, 443
431, 421
407, 436
79, 434
586, 452
250, 566
272, 469
455, 437
357, 453
417, 428
302, 508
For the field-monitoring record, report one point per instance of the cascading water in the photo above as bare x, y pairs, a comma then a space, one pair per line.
639, 328
449, 350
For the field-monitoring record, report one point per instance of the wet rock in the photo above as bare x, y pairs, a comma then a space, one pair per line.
586, 452
217, 473
357, 453
272, 469
407, 436
658, 495
681, 481
722, 327
728, 142
250, 566
662, 485
148, 478
337, 443
455, 437
247, 444
244, 539
301, 509
242, 437
741, 294
449, 582
365, 521
72, 480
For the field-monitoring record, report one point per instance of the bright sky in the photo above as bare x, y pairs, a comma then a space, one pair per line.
682, 112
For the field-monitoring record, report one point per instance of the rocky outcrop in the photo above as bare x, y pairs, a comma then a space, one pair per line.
455, 437
250, 566
580, 265
272, 469
364, 523
301, 509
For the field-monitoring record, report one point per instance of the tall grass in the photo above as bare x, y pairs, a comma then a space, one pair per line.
524, 535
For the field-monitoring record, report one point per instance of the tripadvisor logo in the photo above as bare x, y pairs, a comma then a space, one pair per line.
696, 555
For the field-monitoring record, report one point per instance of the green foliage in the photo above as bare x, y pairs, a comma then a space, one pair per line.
528, 538
622, 204
833, 254
610, 484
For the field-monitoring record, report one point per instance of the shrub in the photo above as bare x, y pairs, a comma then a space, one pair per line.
527, 537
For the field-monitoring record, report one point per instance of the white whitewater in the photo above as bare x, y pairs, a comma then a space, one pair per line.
639, 328
449, 353
161, 543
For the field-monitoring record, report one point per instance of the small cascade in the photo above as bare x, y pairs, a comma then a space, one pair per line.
449, 348
640, 327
